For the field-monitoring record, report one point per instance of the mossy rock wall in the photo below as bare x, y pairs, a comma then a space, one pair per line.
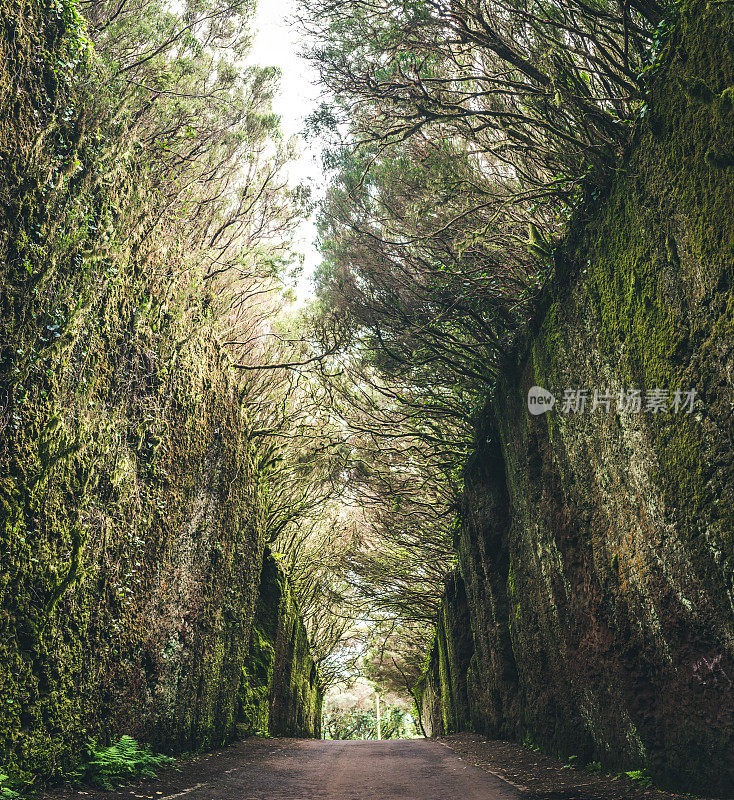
131, 496
442, 690
427, 694
597, 548
281, 691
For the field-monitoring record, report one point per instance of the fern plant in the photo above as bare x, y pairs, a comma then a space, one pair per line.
6, 793
640, 776
120, 763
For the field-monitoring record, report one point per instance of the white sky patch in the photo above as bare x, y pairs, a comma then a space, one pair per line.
277, 43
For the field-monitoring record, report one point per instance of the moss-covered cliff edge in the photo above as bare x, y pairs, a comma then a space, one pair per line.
131, 492
597, 547
281, 693
442, 690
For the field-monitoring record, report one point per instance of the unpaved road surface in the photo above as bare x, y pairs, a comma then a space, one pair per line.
414, 769
329, 770
320, 770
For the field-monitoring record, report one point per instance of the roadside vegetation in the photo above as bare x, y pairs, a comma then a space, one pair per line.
119, 764
5, 791
350, 712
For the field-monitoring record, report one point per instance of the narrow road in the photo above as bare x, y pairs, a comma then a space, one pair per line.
393, 770
303, 769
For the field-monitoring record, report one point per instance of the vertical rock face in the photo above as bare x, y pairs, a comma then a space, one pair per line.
131, 496
281, 692
442, 691
597, 546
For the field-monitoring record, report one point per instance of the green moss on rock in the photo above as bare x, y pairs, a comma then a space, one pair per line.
281, 693
597, 548
131, 512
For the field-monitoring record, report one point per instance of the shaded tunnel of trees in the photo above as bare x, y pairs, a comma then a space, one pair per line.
146, 179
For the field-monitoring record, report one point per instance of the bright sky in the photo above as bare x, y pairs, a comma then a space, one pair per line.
277, 43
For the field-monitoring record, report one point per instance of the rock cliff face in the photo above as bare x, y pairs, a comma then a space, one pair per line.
597, 546
442, 691
281, 692
131, 494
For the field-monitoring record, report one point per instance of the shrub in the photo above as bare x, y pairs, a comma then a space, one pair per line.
120, 763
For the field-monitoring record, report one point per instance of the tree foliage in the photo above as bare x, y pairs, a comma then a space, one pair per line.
542, 90
185, 111
183, 106
351, 714
463, 136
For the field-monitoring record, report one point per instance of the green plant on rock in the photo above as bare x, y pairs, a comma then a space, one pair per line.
120, 763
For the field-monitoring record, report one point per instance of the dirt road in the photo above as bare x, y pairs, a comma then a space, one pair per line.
398, 770
321, 770
303, 769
